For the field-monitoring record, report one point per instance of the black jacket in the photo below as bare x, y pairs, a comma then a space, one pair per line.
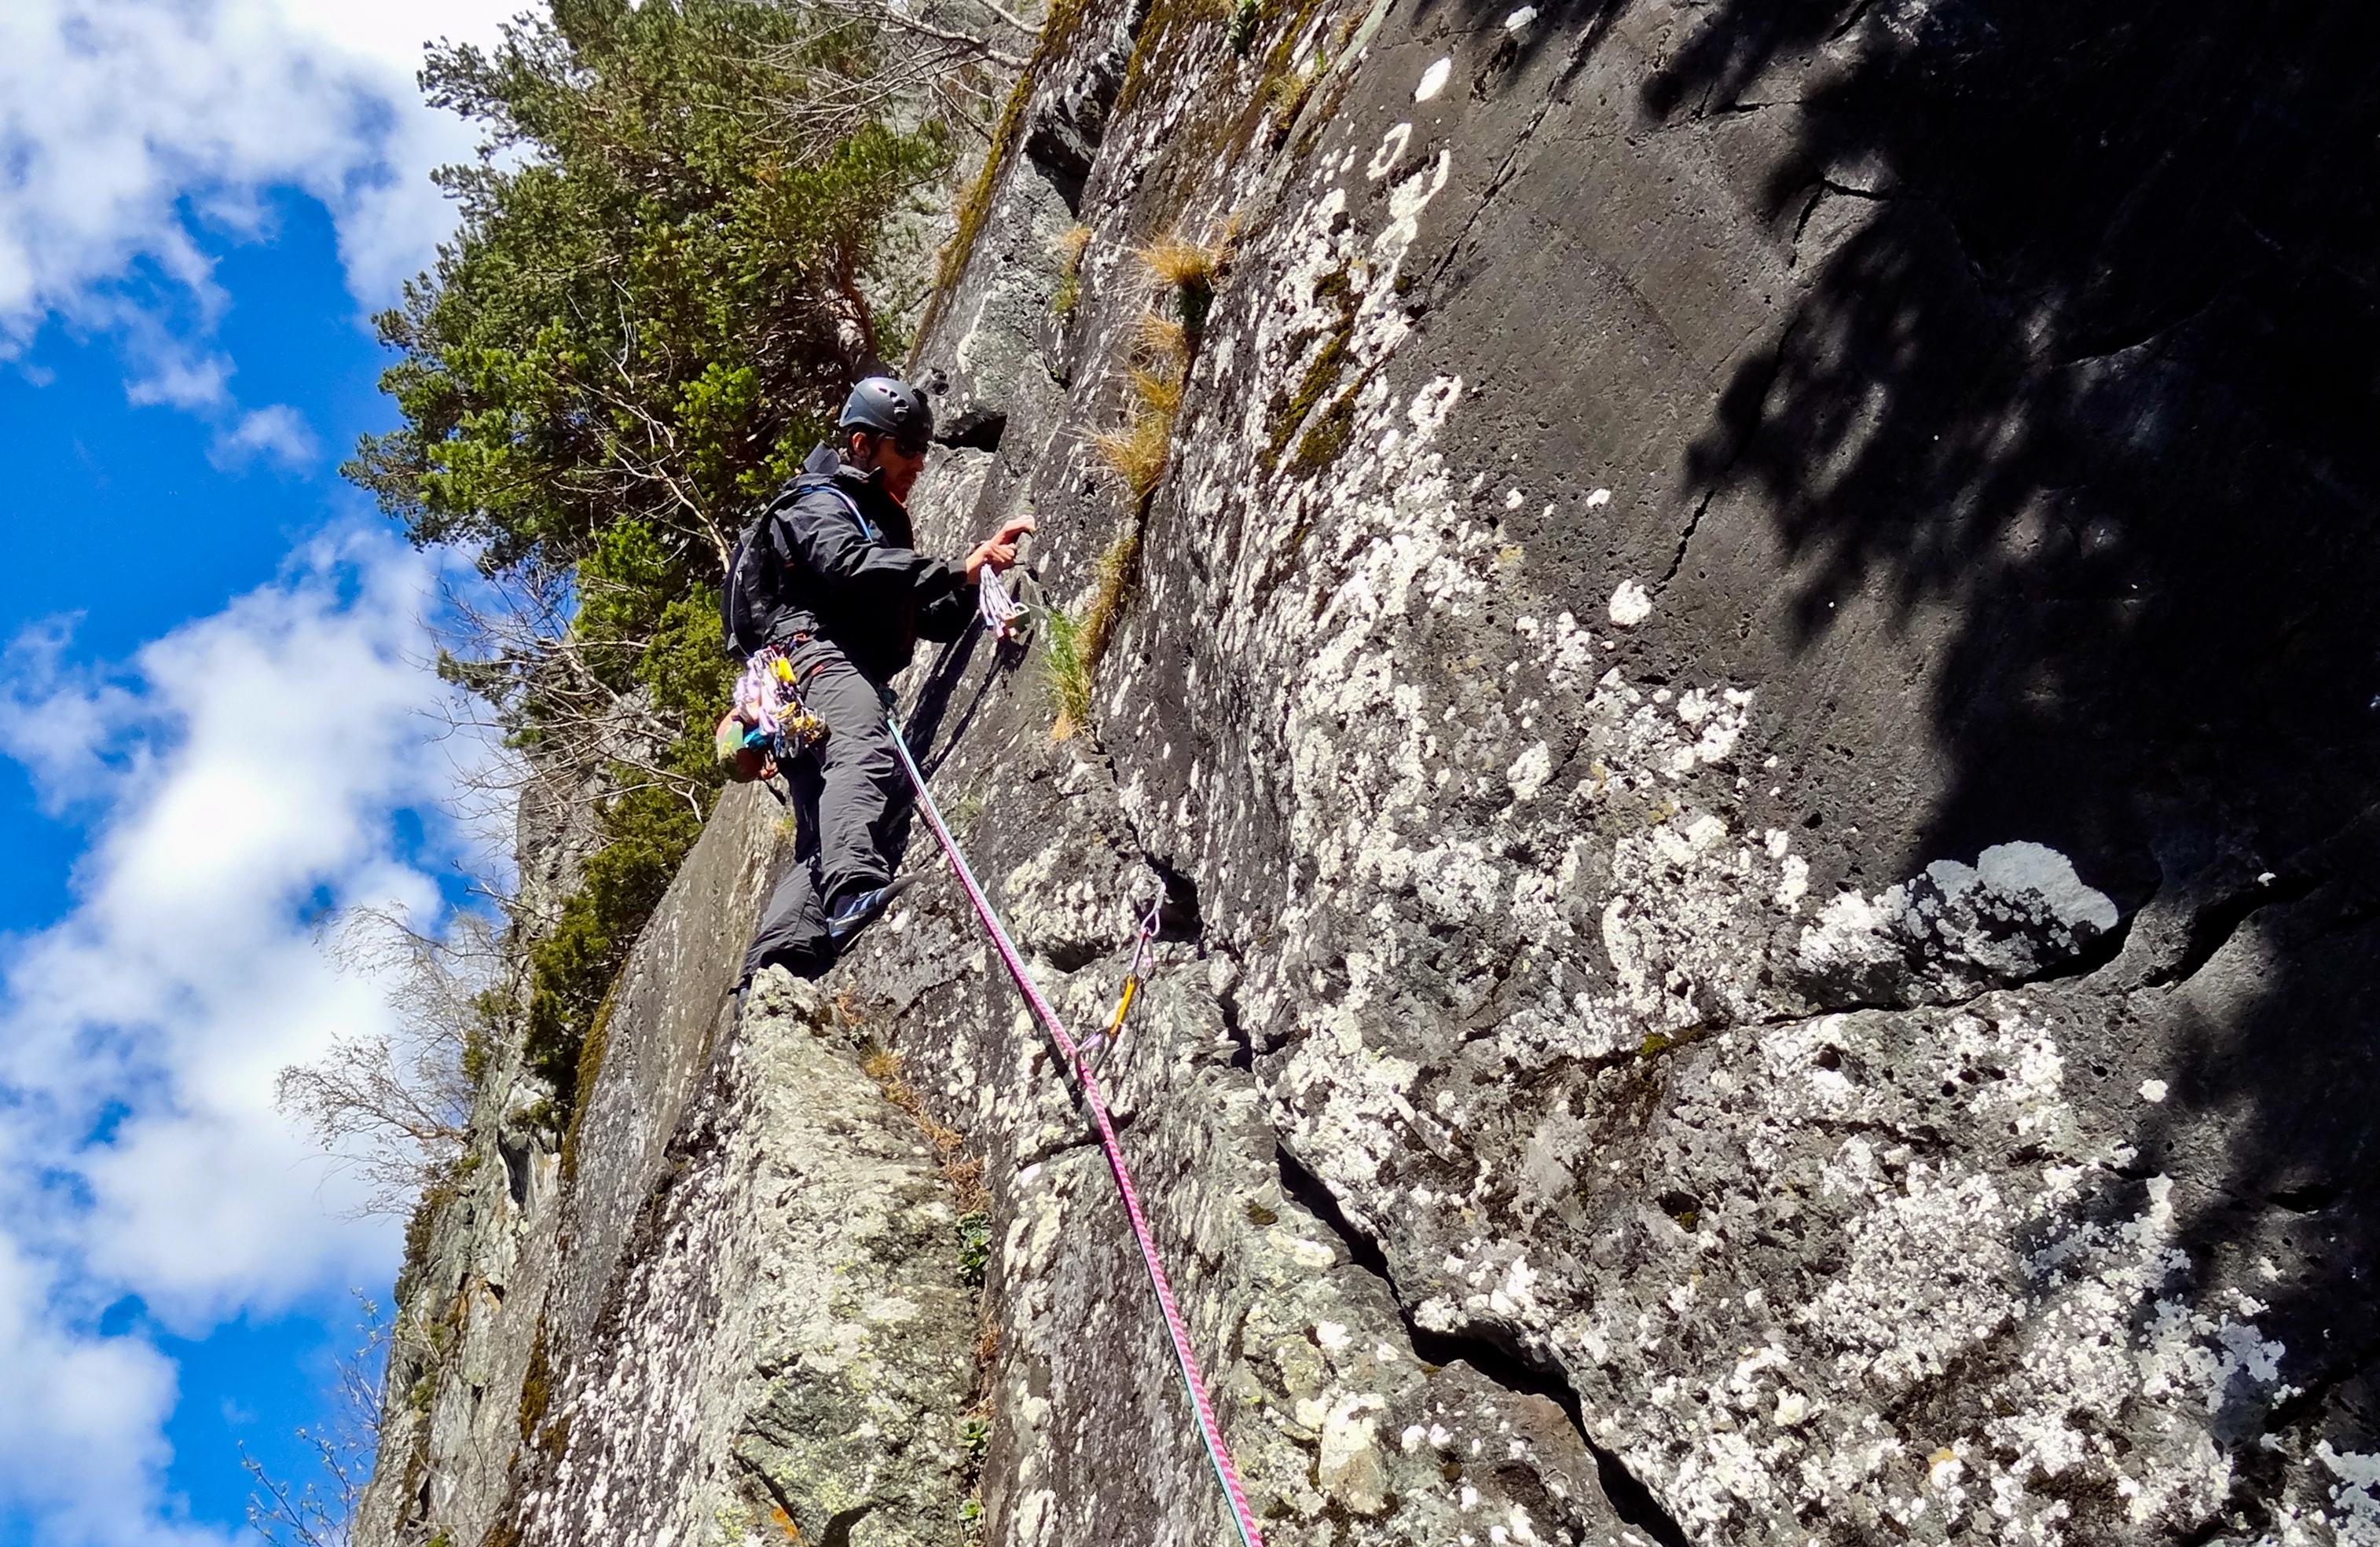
865, 589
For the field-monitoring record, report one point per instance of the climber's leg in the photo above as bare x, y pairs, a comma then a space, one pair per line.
860, 776
793, 926
844, 790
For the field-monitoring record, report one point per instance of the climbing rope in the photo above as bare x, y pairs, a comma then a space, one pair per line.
1076, 1056
999, 610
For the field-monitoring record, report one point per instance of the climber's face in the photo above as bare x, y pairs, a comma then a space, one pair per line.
899, 466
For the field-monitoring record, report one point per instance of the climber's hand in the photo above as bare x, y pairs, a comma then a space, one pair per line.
999, 552
741, 760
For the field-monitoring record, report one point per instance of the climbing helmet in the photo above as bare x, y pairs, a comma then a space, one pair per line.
883, 405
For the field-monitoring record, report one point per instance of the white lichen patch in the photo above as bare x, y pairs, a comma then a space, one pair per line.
1630, 605
1348, 1463
1955, 930
2067, 1329
1529, 772
2355, 1496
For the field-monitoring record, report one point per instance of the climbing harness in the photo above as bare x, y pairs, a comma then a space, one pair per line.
1100, 1044
1086, 1076
1000, 611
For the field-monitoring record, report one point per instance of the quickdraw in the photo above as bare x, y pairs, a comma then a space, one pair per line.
768, 700
1100, 1044
1086, 1076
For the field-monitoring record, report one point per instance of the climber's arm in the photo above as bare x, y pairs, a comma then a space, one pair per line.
820, 533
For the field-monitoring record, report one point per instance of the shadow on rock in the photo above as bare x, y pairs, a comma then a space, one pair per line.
2088, 363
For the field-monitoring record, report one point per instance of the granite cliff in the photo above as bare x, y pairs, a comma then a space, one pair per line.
1749, 683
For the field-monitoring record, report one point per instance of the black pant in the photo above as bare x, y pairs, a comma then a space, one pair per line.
844, 790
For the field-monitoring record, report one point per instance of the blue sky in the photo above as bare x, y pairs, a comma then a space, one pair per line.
213, 717
97, 477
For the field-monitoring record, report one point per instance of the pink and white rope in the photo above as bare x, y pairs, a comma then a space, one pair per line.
1209, 1430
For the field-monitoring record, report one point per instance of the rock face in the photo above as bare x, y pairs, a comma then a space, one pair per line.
734, 1303
1750, 689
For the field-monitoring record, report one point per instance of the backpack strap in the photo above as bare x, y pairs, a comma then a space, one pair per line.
733, 603
826, 481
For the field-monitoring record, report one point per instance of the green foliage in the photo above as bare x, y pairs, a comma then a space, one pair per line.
420, 1227
1246, 16
1067, 671
1076, 644
1287, 93
492, 1014
1326, 435
537, 1384
649, 624
974, 1436
660, 286
1289, 410
974, 1246
647, 830
625, 581
1113, 578
571, 1104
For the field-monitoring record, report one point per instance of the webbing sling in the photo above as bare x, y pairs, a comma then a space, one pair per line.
1217, 1453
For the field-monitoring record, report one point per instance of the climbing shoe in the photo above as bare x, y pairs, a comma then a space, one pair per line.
861, 909
809, 964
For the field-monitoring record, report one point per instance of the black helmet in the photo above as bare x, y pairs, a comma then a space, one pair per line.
882, 405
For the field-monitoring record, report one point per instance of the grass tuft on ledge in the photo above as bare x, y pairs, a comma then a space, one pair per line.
1076, 642
1068, 247
1135, 454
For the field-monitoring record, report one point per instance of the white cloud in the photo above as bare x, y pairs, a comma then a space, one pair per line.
81, 1437
174, 373
128, 127
235, 773
390, 226
241, 772
278, 433
71, 756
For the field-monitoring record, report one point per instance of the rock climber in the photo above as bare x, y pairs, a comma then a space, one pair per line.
846, 599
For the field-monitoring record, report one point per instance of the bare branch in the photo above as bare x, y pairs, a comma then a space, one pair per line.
515, 646
322, 1511
394, 1110
1009, 17
941, 66
980, 47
